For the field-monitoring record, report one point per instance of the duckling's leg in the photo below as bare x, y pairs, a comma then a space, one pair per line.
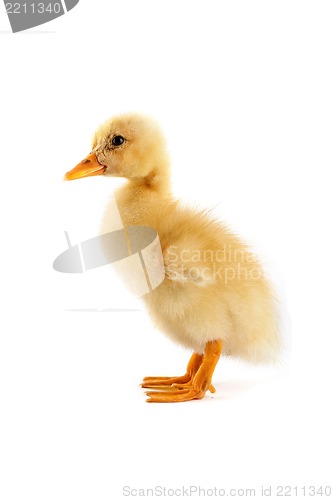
192, 368
201, 382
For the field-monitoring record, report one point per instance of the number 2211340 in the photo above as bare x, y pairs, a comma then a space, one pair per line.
33, 8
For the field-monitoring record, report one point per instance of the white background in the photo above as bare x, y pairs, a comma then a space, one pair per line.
243, 92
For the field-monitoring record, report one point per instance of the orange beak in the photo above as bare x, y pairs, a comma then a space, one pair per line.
88, 167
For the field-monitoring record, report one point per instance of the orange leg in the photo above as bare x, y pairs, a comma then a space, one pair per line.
194, 384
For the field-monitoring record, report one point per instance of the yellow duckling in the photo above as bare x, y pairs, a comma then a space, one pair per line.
215, 295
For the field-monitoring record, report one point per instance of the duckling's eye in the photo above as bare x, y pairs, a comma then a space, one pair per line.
118, 140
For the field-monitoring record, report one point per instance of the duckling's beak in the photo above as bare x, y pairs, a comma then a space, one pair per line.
89, 166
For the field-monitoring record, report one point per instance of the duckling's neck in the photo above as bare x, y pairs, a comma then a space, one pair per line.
139, 199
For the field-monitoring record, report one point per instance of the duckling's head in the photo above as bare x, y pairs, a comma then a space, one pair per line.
130, 146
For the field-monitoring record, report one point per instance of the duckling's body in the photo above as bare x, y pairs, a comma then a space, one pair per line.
215, 293
228, 297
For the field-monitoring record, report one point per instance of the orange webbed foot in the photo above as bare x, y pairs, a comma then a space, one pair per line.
152, 382
192, 385
165, 382
176, 396
211, 388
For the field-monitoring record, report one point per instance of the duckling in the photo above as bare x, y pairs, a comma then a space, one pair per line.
215, 298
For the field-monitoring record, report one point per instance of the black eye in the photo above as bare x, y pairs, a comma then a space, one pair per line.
118, 140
